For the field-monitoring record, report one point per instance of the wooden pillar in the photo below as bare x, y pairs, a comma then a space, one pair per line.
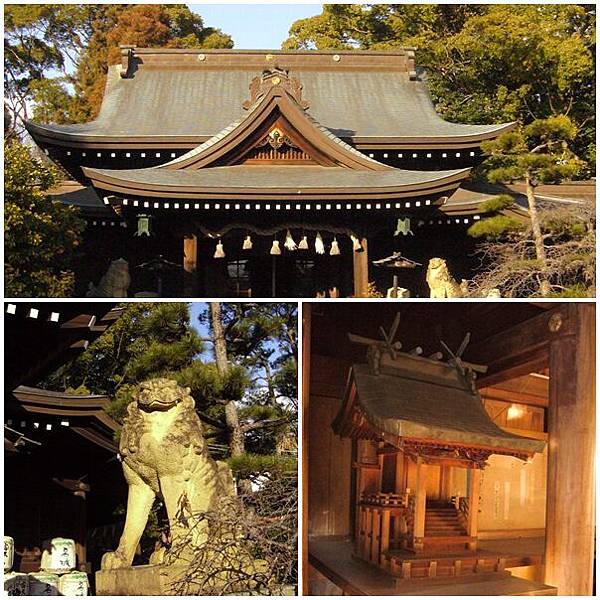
190, 258
420, 506
569, 549
400, 480
306, 331
446, 482
385, 536
473, 518
361, 270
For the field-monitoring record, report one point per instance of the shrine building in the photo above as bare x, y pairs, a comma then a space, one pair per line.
449, 449
268, 173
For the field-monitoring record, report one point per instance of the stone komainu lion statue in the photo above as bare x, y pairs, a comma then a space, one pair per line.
441, 283
164, 454
114, 283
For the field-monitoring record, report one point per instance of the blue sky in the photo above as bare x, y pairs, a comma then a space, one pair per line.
255, 26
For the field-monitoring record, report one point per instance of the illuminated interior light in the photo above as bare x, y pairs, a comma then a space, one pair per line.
514, 412
11, 309
33, 313
54, 317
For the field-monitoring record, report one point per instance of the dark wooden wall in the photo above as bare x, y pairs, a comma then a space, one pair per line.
329, 456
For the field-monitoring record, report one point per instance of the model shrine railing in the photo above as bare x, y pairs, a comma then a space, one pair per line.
385, 522
462, 504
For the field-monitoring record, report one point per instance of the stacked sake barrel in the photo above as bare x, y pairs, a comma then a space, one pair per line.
57, 576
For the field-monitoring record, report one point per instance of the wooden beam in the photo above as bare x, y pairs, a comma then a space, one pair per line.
494, 393
306, 355
473, 517
361, 270
420, 506
80, 322
524, 344
514, 366
569, 552
190, 259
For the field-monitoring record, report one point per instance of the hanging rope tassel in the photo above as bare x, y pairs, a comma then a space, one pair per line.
290, 244
319, 246
247, 245
335, 249
275, 249
303, 245
219, 251
356, 246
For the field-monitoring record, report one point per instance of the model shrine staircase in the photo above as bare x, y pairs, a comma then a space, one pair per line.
444, 526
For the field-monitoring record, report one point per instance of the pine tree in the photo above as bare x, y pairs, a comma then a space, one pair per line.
537, 153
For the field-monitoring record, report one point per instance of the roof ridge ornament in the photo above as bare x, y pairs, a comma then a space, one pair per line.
377, 349
270, 77
127, 54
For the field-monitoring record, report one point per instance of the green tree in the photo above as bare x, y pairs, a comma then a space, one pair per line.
40, 234
151, 340
41, 40
537, 153
260, 338
57, 55
484, 63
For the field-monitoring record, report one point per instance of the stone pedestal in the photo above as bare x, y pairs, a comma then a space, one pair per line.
150, 580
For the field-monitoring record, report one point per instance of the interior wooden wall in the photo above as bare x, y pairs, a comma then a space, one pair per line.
329, 457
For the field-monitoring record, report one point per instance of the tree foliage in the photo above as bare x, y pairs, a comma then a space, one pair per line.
484, 63
262, 338
150, 340
510, 263
554, 250
40, 234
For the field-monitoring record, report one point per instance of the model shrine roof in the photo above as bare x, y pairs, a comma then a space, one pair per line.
184, 97
408, 400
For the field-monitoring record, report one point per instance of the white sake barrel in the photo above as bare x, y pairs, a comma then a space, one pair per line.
9, 553
59, 555
16, 584
43, 584
74, 584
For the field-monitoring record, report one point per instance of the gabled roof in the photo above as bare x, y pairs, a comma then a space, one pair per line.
418, 402
277, 114
181, 98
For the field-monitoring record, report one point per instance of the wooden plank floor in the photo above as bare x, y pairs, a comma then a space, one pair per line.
334, 560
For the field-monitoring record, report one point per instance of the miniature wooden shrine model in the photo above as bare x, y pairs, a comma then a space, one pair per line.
422, 439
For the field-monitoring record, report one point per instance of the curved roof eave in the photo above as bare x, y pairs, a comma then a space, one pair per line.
216, 183
57, 135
